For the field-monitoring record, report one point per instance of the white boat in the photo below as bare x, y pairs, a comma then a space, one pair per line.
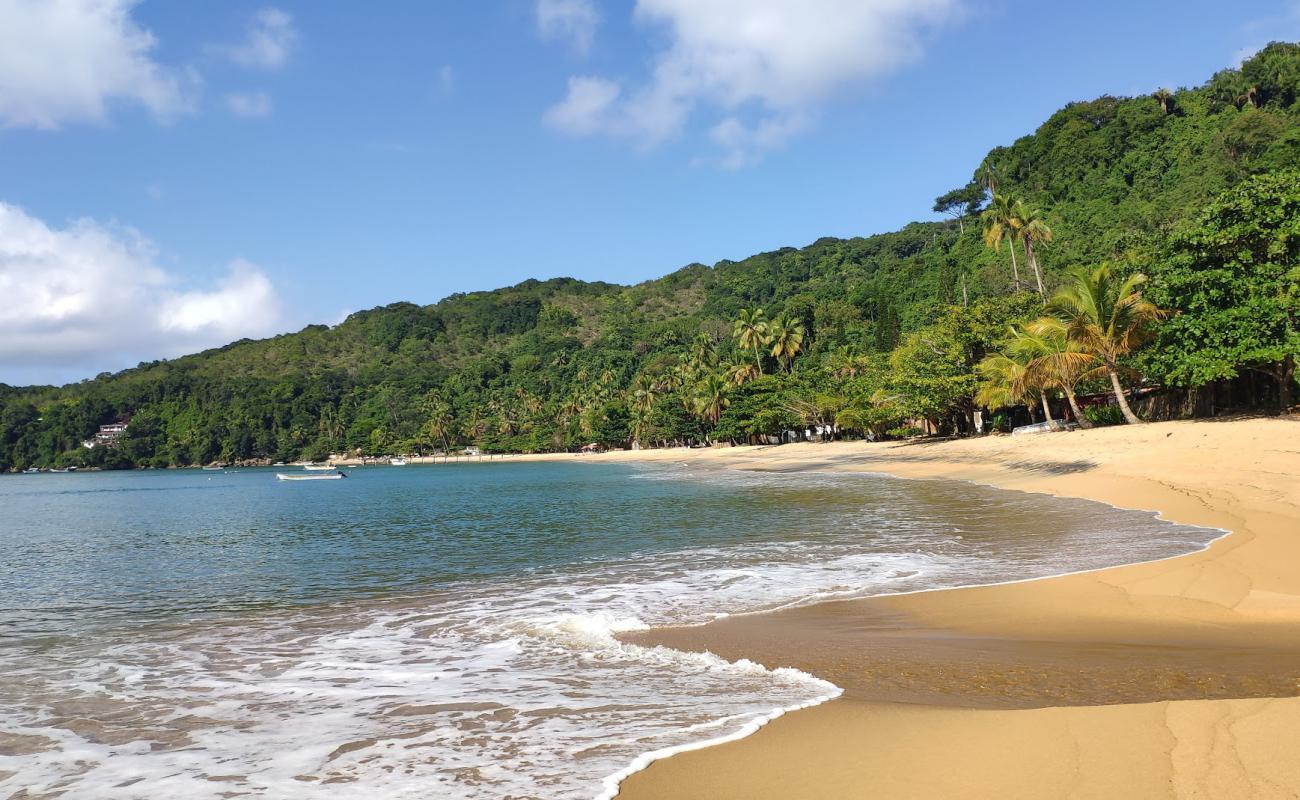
324, 476
318, 467
213, 468
397, 462
31, 470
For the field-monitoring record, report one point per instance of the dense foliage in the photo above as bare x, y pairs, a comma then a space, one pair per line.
1192, 187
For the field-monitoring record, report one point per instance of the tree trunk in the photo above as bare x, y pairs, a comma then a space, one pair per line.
758, 359
1047, 409
1015, 268
1285, 377
1032, 258
1074, 406
1129, 416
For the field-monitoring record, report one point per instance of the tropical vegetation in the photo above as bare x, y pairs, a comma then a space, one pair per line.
1134, 257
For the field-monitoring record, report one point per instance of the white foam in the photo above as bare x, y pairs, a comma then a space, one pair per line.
612, 782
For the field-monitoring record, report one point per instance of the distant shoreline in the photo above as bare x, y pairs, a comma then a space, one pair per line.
1091, 682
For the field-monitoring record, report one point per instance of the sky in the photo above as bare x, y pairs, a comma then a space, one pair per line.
177, 175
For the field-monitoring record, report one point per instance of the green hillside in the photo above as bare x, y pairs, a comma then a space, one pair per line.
867, 332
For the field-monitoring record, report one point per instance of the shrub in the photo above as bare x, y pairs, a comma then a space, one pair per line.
1108, 414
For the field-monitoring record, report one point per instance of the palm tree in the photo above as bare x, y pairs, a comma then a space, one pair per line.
1164, 97
1000, 223
642, 396
987, 175
710, 398
1106, 318
640, 425
1005, 381
1054, 361
704, 355
1250, 95
847, 362
786, 338
750, 332
741, 373
1030, 227
440, 422
475, 426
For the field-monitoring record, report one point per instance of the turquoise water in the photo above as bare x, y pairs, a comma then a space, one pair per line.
448, 631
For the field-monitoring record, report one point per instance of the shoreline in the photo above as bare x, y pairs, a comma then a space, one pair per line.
1113, 648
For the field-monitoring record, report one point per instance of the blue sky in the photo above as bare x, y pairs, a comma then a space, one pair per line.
175, 175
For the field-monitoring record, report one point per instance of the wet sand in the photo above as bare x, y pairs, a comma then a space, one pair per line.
1176, 678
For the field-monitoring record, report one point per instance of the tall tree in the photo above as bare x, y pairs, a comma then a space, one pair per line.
1165, 98
1000, 222
1030, 227
786, 337
704, 353
1054, 361
710, 398
439, 419
847, 362
1106, 317
641, 398
1005, 380
741, 373
1234, 281
750, 332
961, 203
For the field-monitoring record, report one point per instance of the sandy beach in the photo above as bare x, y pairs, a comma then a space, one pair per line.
1175, 678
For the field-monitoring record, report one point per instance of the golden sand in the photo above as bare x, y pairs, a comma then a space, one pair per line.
1072, 686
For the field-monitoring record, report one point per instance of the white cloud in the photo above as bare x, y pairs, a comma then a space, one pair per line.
66, 61
240, 302
744, 145
268, 41
574, 21
445, 83
586, 109
772, 62
249, 104
90, 297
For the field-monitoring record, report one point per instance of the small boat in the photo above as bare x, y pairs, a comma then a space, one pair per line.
65, 469
31, 470
318, 467
331, 476
397, 462
214, 468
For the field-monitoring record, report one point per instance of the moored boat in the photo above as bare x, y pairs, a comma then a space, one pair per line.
319, 477
318, 467
397, 462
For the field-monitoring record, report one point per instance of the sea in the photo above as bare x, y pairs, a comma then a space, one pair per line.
450, 631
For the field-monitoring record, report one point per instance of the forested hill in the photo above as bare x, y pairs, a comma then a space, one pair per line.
552, 364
